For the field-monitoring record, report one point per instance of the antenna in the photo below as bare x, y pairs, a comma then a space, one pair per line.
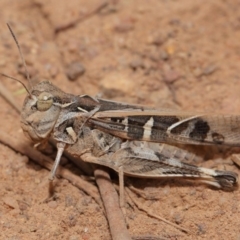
4, 75
23, 61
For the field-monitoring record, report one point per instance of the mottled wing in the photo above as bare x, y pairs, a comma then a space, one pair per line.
165, 125
137, 127
207, 129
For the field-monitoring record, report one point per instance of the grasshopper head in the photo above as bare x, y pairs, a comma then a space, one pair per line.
39, 113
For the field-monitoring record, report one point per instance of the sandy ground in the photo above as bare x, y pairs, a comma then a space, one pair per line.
180, 54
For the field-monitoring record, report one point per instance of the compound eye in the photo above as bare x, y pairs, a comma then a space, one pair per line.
45, 101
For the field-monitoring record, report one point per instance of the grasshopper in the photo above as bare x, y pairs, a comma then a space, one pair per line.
130, 139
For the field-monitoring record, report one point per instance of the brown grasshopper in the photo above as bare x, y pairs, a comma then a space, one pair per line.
127, 138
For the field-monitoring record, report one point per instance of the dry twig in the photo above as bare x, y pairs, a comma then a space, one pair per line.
111, 202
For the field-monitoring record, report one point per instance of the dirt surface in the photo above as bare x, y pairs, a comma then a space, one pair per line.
179, 54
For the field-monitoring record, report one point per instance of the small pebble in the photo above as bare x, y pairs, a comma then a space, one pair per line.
124, 26
75, 70
52, 204
171, 76
33, 229
73, 46
197, 72
209, 69
156, 40
137, 63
